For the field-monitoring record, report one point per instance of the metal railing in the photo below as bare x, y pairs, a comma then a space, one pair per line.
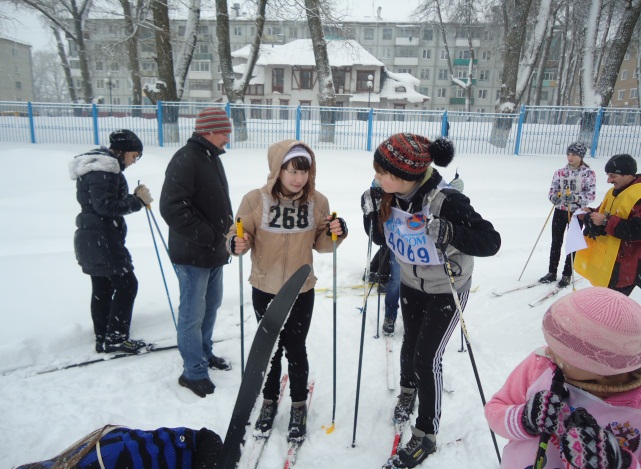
533, 130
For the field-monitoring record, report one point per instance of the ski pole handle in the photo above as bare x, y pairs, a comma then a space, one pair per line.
334, 235
239, 228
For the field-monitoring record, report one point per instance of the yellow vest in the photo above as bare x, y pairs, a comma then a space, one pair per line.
597, 261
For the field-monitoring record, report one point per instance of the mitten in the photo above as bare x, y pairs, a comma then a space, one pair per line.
371, 200
440, 231
232, 245
545, 413
343, 227
568, 198
556, 199
590, 229
586, 445
143, 194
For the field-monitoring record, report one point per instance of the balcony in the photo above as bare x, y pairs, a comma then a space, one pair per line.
464, 80
461, 101
201, 57
464, 62
407, 41
406, 61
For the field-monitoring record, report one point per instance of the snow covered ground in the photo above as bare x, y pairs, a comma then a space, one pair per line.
46, 321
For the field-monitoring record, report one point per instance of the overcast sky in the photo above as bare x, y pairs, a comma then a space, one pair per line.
26, 26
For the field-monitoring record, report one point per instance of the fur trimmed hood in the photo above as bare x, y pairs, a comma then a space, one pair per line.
100, 159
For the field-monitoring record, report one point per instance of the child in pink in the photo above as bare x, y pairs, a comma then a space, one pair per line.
594, 419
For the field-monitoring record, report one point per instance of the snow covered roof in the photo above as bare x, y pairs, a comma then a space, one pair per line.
300, 52
401, 86
258, 74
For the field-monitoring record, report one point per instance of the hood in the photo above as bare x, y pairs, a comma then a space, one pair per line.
99, 159
275, 156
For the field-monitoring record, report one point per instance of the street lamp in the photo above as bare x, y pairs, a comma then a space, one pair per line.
370, 85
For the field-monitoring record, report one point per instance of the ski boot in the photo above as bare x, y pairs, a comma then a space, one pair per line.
265, 420
548, 278
297, 422
405, 405
415, 452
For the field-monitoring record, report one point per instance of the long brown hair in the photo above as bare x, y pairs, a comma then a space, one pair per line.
299, 163
386, 201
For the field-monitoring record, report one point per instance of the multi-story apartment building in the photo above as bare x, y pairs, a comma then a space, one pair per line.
17, 83
413, 48
626, 89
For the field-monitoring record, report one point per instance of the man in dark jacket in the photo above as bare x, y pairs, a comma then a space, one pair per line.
196, 206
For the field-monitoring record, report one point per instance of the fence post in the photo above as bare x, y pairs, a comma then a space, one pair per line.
32, 128
159, 118
519, 130
94, 119
444, 125
597, 131
298, 117
370, 125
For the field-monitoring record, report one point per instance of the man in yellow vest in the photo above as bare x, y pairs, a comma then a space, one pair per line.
613, 256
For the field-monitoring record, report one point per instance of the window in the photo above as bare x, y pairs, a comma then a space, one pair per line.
406, 52
484, 75
256, 111
464, 54
200, 84
274, 31
202, 48
633, 93
278, 79
238, 31
14, 52
460, 92
404, 70
387, 53
427, 54
195, 66
387, 34
442, 93
361, 80
293, 32
115, 100
18, 85
427, 34
425, 74
443, 74
305, 114
284, 112
114, 67
203, 30
486, 55
482, 94
100, 84
181, 30
544, 95
368, 33
621, 95
624, 75
549, 75
99, 66
256, 89
443, 54
424, 90
306, 79
462, 73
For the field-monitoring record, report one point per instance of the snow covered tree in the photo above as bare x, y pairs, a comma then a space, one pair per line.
58, 13
48, 79
236, 88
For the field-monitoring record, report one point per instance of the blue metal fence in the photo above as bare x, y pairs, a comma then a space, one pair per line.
533, 130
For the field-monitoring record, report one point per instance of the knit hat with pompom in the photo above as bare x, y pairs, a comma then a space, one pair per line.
595, 329
407, 156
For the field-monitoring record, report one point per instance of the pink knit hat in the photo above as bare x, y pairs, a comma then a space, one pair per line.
595, 329
212, 119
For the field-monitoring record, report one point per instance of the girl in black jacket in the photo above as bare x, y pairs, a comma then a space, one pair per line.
99, 240
420, 217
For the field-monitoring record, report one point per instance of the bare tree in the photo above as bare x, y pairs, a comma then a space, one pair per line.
49, 83
131, 17
64, 62
57, 12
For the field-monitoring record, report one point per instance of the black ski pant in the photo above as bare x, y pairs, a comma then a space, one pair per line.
112, 304
560, 222
429, 320
291, 340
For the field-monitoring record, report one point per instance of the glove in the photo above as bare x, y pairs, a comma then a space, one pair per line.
556, 199
590, 229
588, 446
440, 231
568, 199
143, 194
343, 227
371, 200
545, 413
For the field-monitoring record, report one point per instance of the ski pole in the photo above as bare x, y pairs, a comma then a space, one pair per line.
448, 271
162, 272
364, 312
381, 262
241, 234
556, 387
334, 240
571, 254
537, 241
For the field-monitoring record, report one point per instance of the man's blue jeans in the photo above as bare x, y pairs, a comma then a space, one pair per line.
201, 294
393, 289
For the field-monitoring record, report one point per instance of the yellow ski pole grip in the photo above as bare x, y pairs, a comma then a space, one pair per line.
239, 228
334, 235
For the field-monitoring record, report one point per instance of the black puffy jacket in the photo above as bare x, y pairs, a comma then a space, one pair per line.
104, 198
195, 204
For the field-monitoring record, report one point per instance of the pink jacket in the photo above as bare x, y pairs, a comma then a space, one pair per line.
504, 412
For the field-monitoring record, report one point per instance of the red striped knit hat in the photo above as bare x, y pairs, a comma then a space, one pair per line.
407, 156
214, 120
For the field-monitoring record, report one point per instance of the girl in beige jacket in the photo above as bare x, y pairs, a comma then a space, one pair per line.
283, 221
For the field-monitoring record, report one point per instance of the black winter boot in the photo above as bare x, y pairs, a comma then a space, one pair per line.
405, 405
564, 282
548, 278
297, 422
266, 417
416, 451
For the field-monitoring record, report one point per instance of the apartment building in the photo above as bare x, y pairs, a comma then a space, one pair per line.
17, 83
415, 52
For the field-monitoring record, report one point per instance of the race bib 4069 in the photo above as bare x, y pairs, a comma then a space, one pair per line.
406, 236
